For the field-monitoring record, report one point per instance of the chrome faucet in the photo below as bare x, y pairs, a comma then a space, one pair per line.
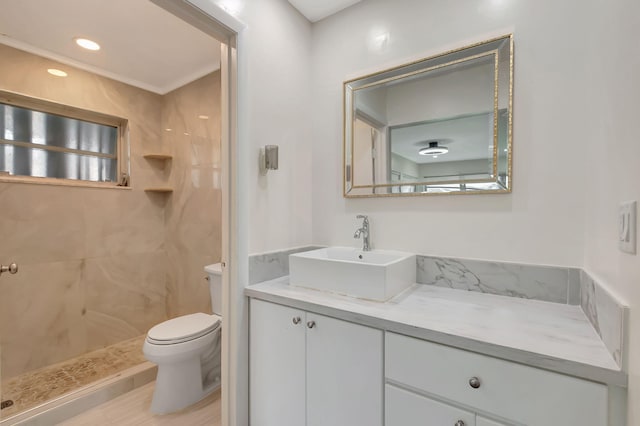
364, 232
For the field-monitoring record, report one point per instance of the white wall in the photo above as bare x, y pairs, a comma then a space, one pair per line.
454, 168
277, 43
576, 90
404, 166
273, 108
373, 102
466, 91
612, 163
563, 208
542, 221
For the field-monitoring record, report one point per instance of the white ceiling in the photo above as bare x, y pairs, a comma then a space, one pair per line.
315, 10
468, 138
142, 44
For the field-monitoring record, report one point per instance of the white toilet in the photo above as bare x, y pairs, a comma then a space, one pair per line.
187, 351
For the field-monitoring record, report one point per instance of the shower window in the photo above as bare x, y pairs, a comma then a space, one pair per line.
45, 142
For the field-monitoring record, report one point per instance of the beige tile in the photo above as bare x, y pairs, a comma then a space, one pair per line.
35, 221
195, 226
193, 214
125, 294
41, 316
190, 289
125, 223
106, 250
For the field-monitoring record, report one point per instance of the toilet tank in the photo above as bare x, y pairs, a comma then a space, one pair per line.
214, 273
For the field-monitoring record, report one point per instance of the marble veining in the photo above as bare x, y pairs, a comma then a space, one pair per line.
605, 313
546, 283
93, 269
554, 336
193, 212
267, 266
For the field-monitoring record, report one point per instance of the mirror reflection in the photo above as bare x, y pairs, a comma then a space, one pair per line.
439, 125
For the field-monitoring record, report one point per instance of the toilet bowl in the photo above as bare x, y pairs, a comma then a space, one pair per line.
187, 351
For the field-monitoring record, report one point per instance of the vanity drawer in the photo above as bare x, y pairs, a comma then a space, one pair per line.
523, 394
404, 408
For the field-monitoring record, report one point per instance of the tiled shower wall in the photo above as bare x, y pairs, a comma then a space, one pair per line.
98, 266
194, 211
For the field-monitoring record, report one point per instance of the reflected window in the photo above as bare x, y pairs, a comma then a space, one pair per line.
46, 140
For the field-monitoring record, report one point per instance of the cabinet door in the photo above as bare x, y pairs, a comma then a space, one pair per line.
404, 408
344, 373
481, 421
276, 365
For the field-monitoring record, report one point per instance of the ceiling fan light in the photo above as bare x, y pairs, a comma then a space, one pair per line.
433, 149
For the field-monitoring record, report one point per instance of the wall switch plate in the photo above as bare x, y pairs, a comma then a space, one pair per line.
627, 227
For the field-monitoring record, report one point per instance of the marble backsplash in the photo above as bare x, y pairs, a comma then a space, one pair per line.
606, 314
554, 284
272, 265
546, 283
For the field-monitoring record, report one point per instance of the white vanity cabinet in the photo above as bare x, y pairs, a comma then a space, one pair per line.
481, 421
309, 369
404, 408
482, 384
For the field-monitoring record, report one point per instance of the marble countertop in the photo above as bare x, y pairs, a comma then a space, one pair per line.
553, 336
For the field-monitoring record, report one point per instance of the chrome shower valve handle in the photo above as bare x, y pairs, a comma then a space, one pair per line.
12, 268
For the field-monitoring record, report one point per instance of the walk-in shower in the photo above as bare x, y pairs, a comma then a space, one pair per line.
110, 189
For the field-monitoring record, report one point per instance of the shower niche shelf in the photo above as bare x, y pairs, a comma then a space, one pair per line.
159, 190
158, 160
161, 157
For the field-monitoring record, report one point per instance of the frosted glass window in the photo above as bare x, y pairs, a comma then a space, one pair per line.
48, 145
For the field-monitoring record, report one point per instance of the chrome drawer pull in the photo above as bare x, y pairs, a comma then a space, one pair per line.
296, 320
474, 382
459, 423
311, 324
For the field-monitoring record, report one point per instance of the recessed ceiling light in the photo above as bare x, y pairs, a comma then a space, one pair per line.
168, 130
203, 117
186, 133
87, 44
56, 72
433, 149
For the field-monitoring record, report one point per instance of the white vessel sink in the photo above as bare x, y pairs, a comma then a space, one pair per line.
376, 275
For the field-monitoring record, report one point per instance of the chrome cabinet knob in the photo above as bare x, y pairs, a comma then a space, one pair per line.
296, 320
474, 382
459, 423
12, 268
311, 324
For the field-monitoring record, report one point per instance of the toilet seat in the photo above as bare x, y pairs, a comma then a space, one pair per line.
183, 329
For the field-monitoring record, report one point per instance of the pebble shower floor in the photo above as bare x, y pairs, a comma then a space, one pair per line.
37, 387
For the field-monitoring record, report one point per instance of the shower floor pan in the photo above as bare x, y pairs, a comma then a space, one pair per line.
36, 388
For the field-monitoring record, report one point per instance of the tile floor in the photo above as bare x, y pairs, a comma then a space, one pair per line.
132, 409
36, 387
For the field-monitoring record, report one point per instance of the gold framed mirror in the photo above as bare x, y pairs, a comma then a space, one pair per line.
439, 125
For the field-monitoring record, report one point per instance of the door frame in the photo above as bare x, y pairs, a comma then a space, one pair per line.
218, 23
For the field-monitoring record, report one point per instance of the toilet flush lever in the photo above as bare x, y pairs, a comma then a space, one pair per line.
12, 269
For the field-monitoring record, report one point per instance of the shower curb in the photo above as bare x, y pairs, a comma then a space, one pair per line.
81, 400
